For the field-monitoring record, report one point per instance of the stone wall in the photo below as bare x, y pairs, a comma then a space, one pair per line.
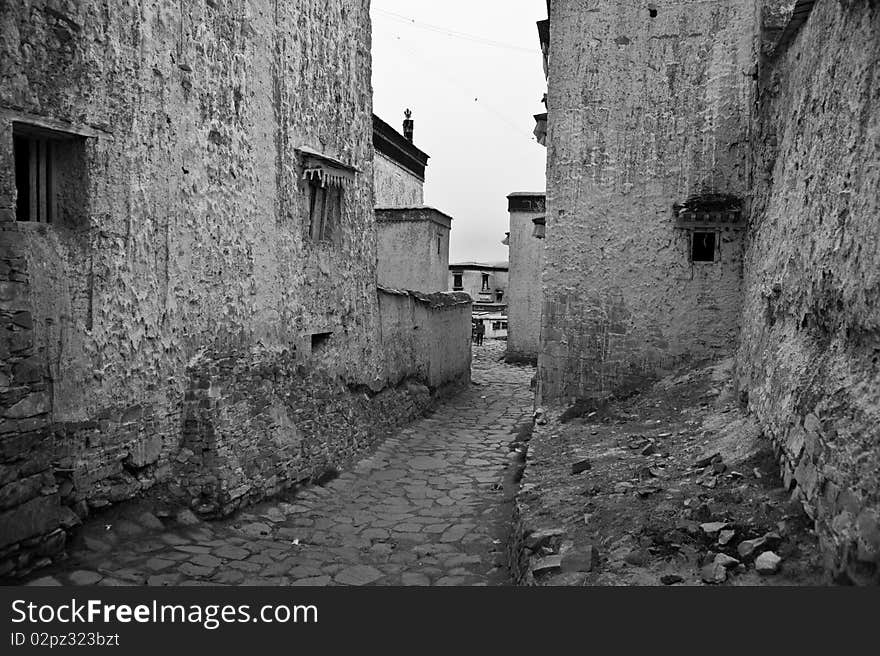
648, 115
810, 346
180, 255
394, 185
427, 337
524, 290
413, 248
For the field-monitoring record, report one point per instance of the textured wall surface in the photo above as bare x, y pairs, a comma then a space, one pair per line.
524, 290
644, 113
394, 185
427, 337
810, 349
182, 260
472, 281
413, 248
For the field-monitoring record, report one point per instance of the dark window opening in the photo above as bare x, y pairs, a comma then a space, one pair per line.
652, 12
485, 286
456, 282
325, 211
499, 295
703, 247
49, 175
319, 341
439, 243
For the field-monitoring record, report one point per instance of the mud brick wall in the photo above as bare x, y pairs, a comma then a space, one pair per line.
180, 233
426, 337
644, 113
258, 423
524, 291
809, 357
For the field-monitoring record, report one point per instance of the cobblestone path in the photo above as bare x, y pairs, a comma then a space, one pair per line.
425, 509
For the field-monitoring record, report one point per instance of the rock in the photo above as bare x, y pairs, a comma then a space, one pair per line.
541, 537
724, 537
547, 564
705, 462
581, 466
671, 579
150, 521
767, 563
187, 518
712, 528
714, 573
636, 557
649, 450
747, 548
725, 561
580, 560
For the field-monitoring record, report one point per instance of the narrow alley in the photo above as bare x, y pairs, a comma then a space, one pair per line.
427, 508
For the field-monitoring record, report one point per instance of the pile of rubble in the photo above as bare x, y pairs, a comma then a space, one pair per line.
674, 485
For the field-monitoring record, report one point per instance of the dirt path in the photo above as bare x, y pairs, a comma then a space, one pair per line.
426, 508
663, 487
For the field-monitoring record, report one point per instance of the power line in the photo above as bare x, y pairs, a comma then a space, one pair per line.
454, 33
485, 106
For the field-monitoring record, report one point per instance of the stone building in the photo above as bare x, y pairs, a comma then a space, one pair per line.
485, 282
526, 260
188, 286
722, 201
646, 187
413, 238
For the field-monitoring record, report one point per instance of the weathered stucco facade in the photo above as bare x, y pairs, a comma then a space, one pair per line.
413, 248
396, 187
755, 120
810, 346
648, 116
526, 262
180, 318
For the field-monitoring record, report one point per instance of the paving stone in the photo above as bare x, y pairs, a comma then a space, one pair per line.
405, 514
206, 560
317, 581
196, 571
358, 575
231, 552
414, 578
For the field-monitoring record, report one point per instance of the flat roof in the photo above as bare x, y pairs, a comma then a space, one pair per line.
398, 148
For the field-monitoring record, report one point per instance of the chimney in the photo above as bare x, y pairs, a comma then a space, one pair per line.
408, 125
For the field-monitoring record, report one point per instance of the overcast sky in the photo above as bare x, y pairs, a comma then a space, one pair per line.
471, 72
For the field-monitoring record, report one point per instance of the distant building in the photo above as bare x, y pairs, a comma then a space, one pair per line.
524, 292
486, 282
413, 239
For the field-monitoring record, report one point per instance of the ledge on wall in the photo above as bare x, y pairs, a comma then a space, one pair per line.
435, 300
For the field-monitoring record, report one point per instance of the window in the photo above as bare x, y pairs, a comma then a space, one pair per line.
499, 295
326, 179
703, 247
319, 341
456, 282
439, 243
49, 170
325, 211
485, 286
